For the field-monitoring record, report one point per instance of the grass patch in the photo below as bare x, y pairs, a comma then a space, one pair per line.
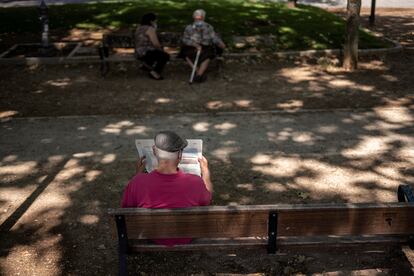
301, 28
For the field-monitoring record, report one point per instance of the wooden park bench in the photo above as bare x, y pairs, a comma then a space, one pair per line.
265, 226
124, 45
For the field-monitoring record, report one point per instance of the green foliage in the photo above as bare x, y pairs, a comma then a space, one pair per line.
304, 27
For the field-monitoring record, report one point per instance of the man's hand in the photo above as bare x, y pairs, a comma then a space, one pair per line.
205, 173
222, 45
204, 165
140, 167
198, 47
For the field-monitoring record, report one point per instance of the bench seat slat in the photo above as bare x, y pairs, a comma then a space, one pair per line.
380, 221
207, 225
242, 208
249, 243
200, 244
248, 221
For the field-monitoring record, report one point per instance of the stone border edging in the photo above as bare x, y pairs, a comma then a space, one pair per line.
311, 53
38, 60
72, 59
215, 114
409, 49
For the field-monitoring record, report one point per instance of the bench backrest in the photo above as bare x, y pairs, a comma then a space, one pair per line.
262, 224
256, 220
127, 40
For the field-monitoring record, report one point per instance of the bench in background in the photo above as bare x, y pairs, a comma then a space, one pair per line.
265, 226
124, 44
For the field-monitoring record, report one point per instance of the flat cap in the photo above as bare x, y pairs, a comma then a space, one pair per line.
169, 141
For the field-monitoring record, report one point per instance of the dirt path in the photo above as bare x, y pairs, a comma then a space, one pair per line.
394, 23
59, 175
244, 85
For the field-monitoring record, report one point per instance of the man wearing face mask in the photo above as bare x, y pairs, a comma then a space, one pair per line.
148, 47
200, 36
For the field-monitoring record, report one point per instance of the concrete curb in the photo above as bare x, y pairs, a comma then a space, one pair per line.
212, 114
338, 52
39, 60
73, 59
409, 49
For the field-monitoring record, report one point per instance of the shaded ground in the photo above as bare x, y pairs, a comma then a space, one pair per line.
243, 85
58, 176
323, 3
394, 23
301, 28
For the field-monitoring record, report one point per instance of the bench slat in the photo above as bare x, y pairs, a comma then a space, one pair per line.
242, 208
235, 243
206, 225
391, 220
252, 221
201, 244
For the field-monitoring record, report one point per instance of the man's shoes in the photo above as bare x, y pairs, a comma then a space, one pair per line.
155, 76
199, 79
145, 67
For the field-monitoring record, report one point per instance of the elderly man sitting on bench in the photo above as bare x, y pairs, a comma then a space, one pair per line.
200, 36
167, 186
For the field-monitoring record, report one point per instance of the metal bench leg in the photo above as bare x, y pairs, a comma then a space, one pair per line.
103, 55
219, 65
122, 244
104, 68
405, 194
272, 233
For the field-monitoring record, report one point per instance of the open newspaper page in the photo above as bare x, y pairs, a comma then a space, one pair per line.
144, 147
189, 162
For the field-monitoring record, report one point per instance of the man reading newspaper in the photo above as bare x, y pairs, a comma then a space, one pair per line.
167, 186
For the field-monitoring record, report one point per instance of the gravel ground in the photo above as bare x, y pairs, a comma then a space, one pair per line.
60, 174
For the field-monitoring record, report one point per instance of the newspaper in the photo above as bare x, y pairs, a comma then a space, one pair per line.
189, 161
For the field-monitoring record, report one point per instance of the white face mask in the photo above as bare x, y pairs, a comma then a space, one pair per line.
155, 25
198, 24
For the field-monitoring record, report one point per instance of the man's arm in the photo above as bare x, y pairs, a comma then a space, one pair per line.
128, 195
216, 39
205, 174
140, 166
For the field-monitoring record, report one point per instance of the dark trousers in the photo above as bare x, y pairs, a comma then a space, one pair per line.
156, 59
207, 52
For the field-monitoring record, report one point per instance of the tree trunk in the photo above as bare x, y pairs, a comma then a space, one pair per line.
372, 16
351, 41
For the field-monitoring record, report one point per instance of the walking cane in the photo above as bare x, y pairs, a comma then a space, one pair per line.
194, 67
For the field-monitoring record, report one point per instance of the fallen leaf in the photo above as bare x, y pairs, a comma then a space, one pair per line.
303, 195
301, 259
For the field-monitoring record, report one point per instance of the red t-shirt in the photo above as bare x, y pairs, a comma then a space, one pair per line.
156, 190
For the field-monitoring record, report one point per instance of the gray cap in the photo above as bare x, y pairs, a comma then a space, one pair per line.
169, 141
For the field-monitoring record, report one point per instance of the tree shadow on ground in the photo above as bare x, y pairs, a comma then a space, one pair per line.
58, 179
304, 27
246, 85
81, 165
395, 24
